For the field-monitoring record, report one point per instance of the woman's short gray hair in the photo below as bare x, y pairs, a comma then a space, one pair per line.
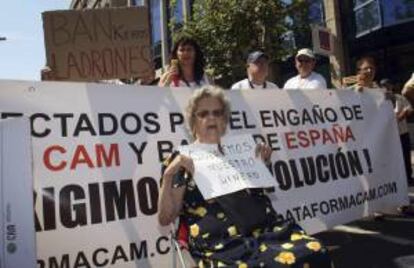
201, 93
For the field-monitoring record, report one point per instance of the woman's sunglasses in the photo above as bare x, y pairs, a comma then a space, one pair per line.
214, 113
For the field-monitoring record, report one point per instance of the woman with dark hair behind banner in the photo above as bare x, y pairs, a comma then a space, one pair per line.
240, 229
186, 66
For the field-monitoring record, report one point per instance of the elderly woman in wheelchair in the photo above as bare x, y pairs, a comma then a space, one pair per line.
235, 230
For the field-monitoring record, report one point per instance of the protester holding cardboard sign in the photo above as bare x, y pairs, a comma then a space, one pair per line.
186, 67
46, 74
236, 230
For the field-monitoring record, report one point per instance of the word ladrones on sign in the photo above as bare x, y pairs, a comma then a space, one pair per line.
98, 44
230, 168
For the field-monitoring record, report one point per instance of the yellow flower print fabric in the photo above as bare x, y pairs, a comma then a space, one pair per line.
215, 241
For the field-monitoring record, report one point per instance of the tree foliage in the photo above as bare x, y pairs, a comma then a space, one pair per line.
228, 30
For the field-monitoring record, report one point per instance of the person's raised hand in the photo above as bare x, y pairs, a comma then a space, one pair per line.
179, 162
169, 75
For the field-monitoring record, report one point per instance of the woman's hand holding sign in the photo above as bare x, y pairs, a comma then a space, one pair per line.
264, 151
179, 163
171, 198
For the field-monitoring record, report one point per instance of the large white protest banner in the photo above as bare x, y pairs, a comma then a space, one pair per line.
17, 233
230, 168
97, 151
337, 154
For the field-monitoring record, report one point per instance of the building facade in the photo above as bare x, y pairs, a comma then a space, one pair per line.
379, 28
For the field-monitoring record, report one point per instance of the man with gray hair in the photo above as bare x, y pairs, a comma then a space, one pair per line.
305, 62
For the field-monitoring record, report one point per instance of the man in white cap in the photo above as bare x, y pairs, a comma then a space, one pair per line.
306, 79
257, 72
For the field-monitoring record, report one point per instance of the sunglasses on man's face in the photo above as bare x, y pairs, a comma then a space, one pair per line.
214, 113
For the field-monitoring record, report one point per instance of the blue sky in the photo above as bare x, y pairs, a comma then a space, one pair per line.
22, 55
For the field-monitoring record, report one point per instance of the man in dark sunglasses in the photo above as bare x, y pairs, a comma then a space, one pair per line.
305, 62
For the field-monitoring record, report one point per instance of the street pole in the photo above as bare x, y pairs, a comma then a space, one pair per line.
333, 23
164, 33
186, 10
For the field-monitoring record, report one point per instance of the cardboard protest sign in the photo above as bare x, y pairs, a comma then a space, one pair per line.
94, 44
17, 232
233, 168
97, 153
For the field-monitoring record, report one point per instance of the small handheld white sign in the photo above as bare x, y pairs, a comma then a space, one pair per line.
233, 168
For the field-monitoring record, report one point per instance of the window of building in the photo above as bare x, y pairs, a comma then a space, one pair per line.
155, 17
137, 2
317, 12
119, 3
155, 8
288, 41
359, 2
367, 16
177, 14
397, 11
371, 15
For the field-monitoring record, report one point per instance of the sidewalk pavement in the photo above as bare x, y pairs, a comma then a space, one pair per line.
369, 243
385, 242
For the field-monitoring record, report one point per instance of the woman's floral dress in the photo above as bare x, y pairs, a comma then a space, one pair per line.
215, 241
